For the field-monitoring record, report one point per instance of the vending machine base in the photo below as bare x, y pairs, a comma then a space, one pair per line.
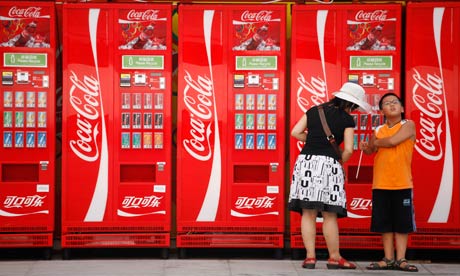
230, 240
116, 240
434, 241
23, 240
370, 241
29, 240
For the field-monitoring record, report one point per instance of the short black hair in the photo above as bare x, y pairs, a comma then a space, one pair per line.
386, 95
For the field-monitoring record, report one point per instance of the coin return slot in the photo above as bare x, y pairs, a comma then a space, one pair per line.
364, 177
251, 174
20, 172
137, 173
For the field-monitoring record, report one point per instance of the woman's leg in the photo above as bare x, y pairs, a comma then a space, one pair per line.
331, 234
308, 228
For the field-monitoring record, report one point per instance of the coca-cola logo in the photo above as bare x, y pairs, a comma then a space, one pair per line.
309, 93
146, 15
29, 12
427, 97
84, 98
23, 201
359, 203
260, 202
198, 101
260, 16
137, 202
377, 15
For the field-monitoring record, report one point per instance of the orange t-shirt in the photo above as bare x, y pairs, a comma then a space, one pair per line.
392, 166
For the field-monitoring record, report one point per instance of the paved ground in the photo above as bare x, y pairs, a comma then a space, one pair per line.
196, 267
213, 262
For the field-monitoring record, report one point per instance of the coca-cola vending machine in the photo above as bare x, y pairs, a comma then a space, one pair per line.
116, 189
27, 161
432, 101
333, 44
231, 126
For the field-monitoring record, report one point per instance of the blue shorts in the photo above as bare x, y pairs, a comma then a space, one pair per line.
392, 211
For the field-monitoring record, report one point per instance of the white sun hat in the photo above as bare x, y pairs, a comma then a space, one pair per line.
354, 93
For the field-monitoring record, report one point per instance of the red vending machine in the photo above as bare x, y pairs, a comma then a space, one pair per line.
333, 44
27, 160
116, 189
231, 126
432, 101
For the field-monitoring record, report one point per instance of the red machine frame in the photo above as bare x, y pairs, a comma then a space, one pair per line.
117, 126
230, 168
432, 101
336, 37
27, 154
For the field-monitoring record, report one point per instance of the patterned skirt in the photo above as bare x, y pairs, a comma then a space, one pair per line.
318, 183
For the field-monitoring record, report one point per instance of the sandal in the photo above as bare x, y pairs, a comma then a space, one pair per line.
407, 267
389, 264
340, 264
309, 263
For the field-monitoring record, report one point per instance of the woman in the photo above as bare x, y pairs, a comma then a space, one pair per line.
317, 188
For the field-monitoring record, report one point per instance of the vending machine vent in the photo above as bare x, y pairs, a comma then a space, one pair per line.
25, 240
116, 240
24, 229
98, 229
434, 241
231, 241
229, 229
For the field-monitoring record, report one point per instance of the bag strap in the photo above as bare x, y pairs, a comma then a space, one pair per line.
330, 137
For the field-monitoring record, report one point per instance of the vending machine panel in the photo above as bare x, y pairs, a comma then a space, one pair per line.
117, 125
333, 44
432, 101
27, 112
231, 125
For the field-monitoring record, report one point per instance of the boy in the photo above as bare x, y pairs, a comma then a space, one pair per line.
392, 196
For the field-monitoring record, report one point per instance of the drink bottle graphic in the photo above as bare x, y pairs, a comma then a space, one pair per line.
258, 37
142, 41
146, 34
26, 34
372, 37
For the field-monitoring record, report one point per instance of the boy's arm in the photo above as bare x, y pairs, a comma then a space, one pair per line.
368, 146
407, 131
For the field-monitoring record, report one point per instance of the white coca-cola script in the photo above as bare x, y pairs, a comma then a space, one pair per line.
148, 15
264, 202
260, 16
29, 12
310, 93
84, 98
198, 101
315, 90
377, 15
427, 97
23, 201
359, 203
141, 202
